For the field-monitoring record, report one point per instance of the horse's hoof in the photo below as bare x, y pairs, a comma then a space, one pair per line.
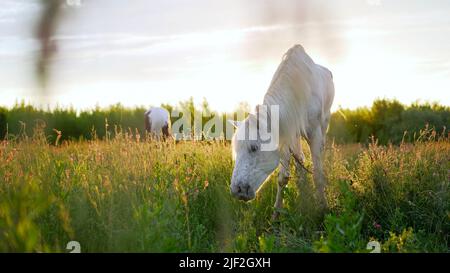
275, 216
323, 208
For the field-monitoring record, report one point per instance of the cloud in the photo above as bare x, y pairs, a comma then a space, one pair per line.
15, 11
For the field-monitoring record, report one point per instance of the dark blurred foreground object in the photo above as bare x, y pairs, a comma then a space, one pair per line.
44, 32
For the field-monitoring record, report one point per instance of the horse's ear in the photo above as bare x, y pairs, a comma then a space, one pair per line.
235, 123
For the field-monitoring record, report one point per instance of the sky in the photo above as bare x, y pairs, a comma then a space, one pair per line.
142, 53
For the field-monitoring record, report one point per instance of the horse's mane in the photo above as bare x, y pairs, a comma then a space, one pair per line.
288, 61
291, 89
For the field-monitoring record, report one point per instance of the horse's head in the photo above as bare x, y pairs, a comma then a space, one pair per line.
256, 154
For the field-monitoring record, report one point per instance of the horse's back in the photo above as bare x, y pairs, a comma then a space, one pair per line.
303, 89
318, 80
158, 113
159, 118
326, 87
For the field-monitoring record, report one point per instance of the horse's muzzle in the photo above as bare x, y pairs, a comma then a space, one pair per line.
243, 192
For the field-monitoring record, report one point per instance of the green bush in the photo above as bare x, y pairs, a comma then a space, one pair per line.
343, 228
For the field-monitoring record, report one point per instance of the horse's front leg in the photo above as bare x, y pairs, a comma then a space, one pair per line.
283, 178
299, 160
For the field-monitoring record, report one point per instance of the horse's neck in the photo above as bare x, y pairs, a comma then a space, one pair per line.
270, 99
293, 114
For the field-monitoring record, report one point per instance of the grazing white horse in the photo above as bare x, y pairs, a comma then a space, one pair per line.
157, 122
304, 93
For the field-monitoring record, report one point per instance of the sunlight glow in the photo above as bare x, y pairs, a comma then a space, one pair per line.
374, 51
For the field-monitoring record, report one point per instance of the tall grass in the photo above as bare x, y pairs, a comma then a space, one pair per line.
123, 194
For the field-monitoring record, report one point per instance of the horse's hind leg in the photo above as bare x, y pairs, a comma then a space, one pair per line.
165, 131
316, 143
283, 178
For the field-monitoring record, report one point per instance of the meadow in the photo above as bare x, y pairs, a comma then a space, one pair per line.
127, 194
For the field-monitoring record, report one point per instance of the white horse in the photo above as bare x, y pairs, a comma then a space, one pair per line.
157, 122
304, 93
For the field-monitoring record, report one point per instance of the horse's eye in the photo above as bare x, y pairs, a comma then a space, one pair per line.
253, 148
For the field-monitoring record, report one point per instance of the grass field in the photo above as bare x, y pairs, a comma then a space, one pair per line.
129, 195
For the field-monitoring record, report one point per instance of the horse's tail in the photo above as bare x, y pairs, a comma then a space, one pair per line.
166, 131
147, 122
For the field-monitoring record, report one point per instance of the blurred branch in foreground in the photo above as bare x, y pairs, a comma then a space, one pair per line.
45, 29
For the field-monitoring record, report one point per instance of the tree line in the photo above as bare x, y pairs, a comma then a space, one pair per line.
388, 121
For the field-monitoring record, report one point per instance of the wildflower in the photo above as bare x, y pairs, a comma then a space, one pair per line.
176, 184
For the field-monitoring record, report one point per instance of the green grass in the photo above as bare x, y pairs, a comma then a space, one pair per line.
129, 195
